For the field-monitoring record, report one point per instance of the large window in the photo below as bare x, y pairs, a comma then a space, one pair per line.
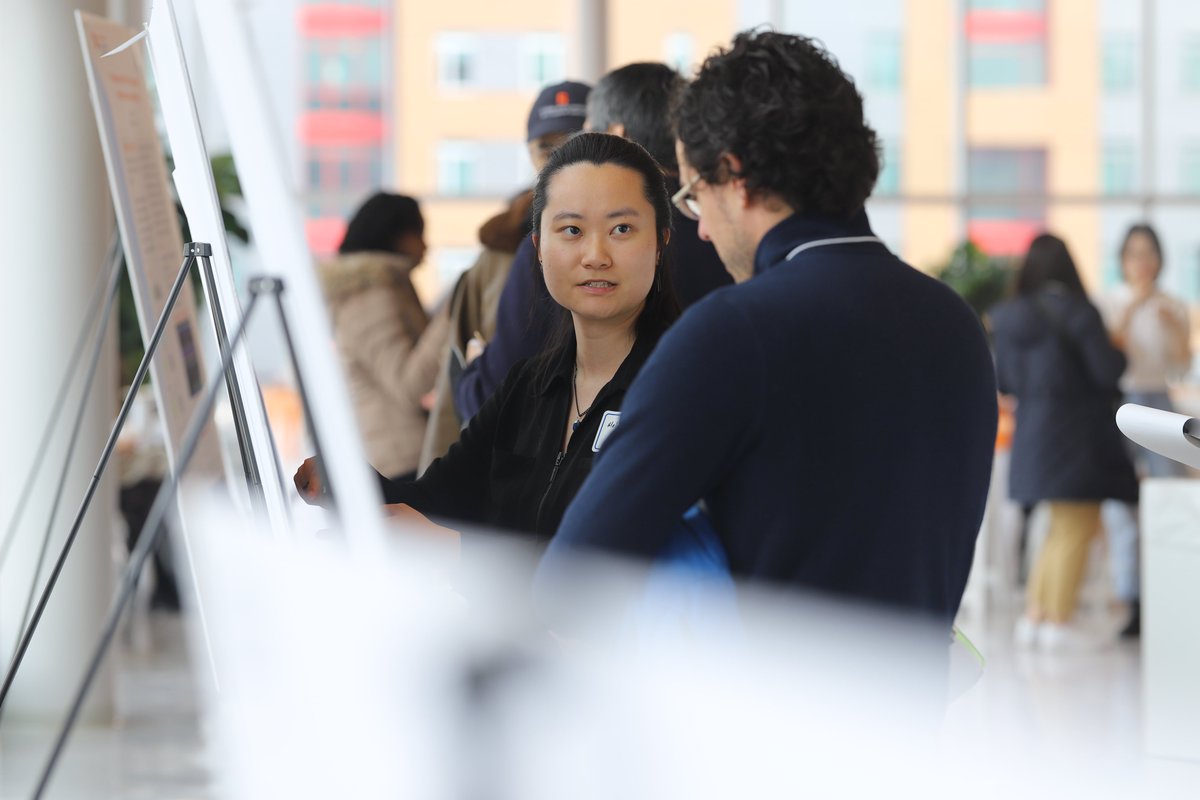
481, 168
679, 51
344, 73
457, 54
542, 60
884, 61
340, 172
1000, 218
1119, 63
458, 168
889, 172
499, 61
1118, 168
1191, 64
1006, 43
1190, 173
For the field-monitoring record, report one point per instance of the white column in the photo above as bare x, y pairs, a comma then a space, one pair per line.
55, 224
591, 36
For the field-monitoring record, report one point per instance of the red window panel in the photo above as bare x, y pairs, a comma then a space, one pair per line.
1006, 27
324, 234
331, 174
332, 127
330, 20
1003, 237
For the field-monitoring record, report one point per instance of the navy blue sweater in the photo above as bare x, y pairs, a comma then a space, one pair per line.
527, 314
838, 414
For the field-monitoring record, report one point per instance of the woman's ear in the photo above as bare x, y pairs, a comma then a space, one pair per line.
533, 237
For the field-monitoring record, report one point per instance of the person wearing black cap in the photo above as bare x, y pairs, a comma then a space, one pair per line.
558, 112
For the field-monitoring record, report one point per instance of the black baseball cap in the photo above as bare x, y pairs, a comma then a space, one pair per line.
559, 108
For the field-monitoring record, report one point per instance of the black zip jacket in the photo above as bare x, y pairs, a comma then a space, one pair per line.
508, 470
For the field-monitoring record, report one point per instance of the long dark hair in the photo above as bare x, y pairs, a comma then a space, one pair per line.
1048, 261
662, 308
379, 221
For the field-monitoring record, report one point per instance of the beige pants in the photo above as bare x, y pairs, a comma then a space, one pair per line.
1054, 584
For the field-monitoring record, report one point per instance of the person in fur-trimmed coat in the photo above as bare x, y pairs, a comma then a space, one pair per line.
377, 320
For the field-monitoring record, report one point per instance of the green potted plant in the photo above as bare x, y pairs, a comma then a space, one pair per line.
980, 279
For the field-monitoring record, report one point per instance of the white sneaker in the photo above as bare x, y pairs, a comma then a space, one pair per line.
1025, 634
1054, 638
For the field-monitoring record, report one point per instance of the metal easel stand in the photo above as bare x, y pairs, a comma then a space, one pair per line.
106, 287
152, 530
193, 251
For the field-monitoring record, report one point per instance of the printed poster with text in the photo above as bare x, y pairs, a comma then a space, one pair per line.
146, 215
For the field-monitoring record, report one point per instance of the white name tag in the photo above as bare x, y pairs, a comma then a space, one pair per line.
608, 424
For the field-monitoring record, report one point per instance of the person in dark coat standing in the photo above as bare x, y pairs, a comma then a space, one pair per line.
1054, 356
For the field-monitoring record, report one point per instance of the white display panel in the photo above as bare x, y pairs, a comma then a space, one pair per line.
146, 217
274, 214
198, 193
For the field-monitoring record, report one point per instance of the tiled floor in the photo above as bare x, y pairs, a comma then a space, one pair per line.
155, 748
1074, 712
1083, 710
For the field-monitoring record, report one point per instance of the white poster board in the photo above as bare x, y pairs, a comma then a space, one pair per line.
198, 193
275, 217
1176, 436
146, 217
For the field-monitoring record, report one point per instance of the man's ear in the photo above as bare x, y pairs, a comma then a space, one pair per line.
734, 165
616, 129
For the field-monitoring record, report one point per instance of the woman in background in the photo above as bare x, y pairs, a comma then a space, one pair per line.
1054, 356
1152, 329
377, 319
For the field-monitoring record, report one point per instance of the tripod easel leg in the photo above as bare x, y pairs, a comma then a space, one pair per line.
150, 535
110, 281
94, 484
73, 442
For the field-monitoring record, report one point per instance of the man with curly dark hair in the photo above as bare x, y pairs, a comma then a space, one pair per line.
835, 410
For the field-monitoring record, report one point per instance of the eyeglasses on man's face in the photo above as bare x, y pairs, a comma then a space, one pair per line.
685, 200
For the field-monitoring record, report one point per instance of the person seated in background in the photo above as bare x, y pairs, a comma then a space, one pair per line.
633, 101
377, 319
835, 411
601, 219
558, 112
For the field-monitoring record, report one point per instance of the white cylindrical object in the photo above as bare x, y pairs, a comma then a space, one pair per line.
591, 38
56, 223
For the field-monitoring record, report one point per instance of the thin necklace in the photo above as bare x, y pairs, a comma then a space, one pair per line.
579, 415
